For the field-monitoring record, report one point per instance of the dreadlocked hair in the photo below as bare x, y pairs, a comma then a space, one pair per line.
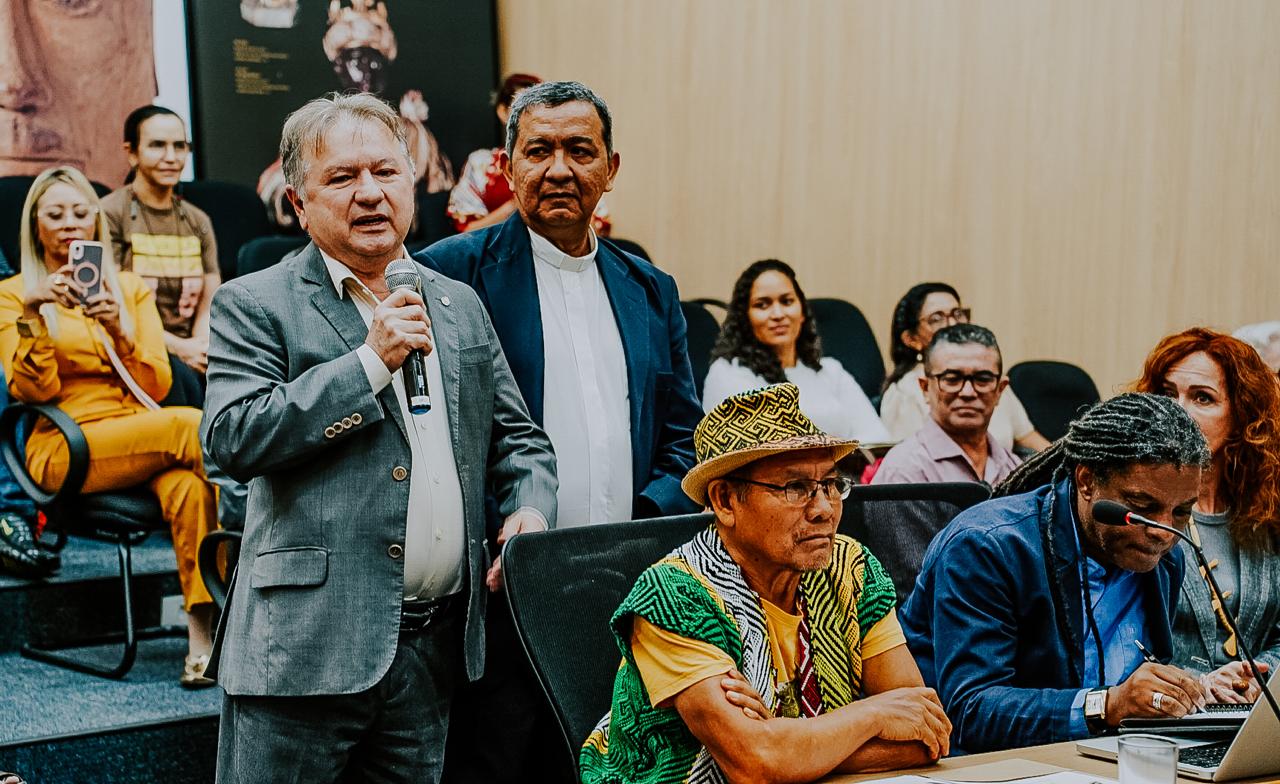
1127, 429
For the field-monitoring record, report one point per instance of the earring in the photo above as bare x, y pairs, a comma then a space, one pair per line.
919, 357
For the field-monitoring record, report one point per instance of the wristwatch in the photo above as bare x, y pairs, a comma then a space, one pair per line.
31, 328
1095, 712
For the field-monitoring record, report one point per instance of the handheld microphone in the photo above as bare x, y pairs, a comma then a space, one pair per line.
403, 274
1113, 513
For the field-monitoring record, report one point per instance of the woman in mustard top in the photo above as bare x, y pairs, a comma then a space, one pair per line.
104, 363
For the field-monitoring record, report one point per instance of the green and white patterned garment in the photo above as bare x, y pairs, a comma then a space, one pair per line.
698, 592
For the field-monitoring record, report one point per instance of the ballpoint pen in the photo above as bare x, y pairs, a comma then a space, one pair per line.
1146, 654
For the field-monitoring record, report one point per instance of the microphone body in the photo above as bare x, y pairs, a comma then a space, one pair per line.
403, 274
1112, 513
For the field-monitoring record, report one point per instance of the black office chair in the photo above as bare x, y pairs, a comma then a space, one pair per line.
563, 587
847, 336
237, 214
703, 330
258, 254
897, 522
123, 518
1053, 393
632, 247
13, 193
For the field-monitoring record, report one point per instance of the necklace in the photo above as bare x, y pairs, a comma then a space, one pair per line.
1229, 647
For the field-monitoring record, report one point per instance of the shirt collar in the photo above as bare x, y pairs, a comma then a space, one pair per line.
340, 273
548, 253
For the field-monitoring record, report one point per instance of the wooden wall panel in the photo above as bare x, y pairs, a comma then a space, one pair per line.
1091, 174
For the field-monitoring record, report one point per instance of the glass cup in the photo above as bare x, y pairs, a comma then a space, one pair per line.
1148, 759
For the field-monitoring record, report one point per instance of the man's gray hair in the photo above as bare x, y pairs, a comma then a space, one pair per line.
555, 94
305, 129
961, 335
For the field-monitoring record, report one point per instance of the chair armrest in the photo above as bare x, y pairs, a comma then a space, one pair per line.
13, 450
207, 558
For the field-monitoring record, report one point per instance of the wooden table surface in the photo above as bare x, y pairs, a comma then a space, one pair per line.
1062, 755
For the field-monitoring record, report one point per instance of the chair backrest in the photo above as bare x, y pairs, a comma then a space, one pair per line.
632, 247
700, 338
237, 214
897, 522
847, 336
13, 192
260, 253
564, 586
1053, 393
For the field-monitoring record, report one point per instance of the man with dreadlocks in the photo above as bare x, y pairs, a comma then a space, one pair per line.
1028, 613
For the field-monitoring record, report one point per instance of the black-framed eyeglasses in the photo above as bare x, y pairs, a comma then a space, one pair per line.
802, 491
953, 381
939, 320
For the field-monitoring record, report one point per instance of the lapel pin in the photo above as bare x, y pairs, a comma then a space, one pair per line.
444, 301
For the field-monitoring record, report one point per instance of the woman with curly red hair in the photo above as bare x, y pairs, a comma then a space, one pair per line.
1230, 392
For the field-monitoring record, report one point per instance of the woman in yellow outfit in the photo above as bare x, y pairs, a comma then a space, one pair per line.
104, 363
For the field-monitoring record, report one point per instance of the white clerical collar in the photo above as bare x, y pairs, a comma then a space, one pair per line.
545, 252
340, 273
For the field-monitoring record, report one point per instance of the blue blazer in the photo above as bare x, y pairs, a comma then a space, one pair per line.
991, 633
498, 263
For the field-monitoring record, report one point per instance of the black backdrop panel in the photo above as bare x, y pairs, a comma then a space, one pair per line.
247, 74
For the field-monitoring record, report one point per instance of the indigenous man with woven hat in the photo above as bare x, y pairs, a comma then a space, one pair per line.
768, 646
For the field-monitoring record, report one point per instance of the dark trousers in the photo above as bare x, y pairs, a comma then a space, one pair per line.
393, 732
503, 728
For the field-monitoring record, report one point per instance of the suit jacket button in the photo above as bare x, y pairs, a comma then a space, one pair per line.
356, 418
329, 432
347, 422
395, 551
399, 473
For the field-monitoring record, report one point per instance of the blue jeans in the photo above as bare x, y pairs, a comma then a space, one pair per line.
12, 499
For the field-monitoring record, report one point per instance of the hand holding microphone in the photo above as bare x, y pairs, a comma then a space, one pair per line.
400, 326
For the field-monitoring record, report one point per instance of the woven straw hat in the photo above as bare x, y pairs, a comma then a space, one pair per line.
752, 425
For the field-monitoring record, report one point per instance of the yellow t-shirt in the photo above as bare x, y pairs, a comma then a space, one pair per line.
669, 663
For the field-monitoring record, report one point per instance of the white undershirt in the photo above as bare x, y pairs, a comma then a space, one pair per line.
586, 402
434, 539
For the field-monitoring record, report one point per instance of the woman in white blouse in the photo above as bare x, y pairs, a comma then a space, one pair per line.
769, 337
922, 311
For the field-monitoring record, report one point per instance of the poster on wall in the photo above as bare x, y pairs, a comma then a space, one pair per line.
255, 61
69, 75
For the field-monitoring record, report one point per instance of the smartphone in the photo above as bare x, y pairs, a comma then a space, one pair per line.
86, 268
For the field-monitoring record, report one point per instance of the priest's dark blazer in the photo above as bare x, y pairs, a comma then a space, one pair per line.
498, 263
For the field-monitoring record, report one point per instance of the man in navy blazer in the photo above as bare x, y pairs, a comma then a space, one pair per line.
596, 341
1038, 624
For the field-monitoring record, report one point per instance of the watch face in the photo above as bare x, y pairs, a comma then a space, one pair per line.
1094, 702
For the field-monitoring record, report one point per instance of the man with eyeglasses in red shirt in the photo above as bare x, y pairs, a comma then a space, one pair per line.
962, 382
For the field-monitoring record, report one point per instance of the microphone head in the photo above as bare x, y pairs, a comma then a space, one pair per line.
402, 273
1110, 513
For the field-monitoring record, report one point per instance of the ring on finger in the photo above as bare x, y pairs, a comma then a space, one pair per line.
1157, 700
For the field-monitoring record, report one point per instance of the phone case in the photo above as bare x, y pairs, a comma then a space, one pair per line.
86, 268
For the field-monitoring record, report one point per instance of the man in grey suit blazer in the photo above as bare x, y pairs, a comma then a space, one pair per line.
359, 597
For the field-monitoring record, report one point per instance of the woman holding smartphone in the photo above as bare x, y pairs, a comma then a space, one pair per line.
102, 360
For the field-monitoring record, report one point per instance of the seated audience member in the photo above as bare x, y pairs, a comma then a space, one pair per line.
20, 554
482, 196
166, 241
768, 337
1265, 337
922, 311
103, 362
1027, 613
767, 646
1232, 395
962, 383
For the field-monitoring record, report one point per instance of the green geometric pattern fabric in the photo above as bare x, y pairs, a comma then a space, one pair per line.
698, 592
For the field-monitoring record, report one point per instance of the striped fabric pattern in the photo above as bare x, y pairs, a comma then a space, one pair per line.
698, 592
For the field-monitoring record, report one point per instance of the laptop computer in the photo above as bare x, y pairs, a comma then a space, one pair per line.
1252, 752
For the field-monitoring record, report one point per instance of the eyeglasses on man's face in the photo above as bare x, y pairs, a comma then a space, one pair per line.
802, 491
942, 318
952, 381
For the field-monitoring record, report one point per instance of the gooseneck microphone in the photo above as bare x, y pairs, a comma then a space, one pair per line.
403, 274
1113, 513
